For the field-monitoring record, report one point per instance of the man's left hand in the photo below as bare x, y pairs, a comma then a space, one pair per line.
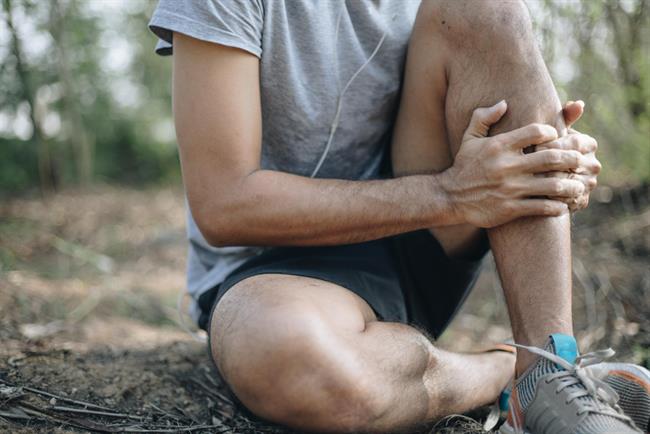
583, 143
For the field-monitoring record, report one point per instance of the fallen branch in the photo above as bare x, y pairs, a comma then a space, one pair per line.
98, 413
57, 397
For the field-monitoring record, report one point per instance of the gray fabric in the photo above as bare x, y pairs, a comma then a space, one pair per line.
527, 383
554, 401
631, 382
304, 62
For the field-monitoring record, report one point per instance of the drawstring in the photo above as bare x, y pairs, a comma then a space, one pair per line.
334, 126
339, 104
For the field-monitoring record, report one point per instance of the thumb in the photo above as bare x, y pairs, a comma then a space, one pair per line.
483, 118
573, 111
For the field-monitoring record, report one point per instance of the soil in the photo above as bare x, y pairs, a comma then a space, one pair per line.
89, 335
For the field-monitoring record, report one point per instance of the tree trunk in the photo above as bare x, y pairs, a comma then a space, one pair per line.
47, 174
81, 142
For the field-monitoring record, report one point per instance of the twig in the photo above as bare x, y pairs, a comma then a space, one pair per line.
98, 413
12, 415
214, 393
178, 429
60, 398
35, 411
166, 413
184, 413
211, 379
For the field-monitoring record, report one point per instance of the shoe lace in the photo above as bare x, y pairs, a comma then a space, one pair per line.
601, 398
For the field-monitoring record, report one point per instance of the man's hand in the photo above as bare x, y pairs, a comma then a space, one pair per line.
584, 144
493, 182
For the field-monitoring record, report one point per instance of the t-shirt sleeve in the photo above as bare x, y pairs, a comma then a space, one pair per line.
235, 23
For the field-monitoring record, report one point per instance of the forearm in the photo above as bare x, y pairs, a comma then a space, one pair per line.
276, 208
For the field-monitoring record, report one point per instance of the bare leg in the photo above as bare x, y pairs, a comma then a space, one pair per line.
467, 54
312, 355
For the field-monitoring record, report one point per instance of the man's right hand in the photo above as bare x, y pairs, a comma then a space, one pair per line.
492, 180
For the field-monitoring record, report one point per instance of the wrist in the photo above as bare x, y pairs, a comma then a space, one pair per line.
445, 183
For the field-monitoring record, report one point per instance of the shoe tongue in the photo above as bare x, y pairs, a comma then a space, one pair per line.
564, 346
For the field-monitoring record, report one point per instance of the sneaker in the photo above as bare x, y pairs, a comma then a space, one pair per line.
632, 384
559, 395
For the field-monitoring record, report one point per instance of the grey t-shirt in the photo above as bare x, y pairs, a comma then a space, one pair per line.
308, 50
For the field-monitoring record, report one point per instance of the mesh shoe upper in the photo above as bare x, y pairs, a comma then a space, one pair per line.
632, 383
558, 395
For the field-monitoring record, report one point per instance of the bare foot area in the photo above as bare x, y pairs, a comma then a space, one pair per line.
89, 335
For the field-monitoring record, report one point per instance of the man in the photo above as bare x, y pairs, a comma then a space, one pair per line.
284, 112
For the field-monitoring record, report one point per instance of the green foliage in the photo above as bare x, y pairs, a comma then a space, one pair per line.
606, 44
82, 95
83, 98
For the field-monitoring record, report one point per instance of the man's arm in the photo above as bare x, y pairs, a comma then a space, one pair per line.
218, 123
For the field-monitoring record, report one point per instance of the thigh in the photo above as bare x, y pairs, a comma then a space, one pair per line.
267, 311
420, 140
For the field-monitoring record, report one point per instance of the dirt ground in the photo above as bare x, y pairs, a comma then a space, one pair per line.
89, 336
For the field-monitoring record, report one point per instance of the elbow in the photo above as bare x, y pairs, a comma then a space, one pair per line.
217, 238
219, 225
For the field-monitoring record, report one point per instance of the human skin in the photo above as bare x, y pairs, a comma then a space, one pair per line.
313, 355
533, 255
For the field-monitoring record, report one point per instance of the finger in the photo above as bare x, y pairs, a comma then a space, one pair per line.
589, 181
582, 143
540, 207
551, 160
583, 202
573, 111
560, 188
532, 134
484, 117
574, 204
589, 165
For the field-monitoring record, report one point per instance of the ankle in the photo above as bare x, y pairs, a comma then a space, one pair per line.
524, 361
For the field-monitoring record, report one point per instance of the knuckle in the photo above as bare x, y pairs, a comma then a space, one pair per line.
509, 208
509, 187
594, 144
553, 157
548, 208
506, 165
597, 167
496, 169
573, 141
558, 187
537, 131
494, 146
592, 183
478, 114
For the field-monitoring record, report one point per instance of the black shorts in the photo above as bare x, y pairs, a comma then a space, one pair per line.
407, 278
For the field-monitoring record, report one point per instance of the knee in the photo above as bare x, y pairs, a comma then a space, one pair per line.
464, 22
287, 365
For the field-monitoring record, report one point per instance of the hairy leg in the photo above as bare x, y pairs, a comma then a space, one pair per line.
467, 54
312, 355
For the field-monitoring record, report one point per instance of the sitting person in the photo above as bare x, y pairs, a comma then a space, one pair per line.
321, 273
